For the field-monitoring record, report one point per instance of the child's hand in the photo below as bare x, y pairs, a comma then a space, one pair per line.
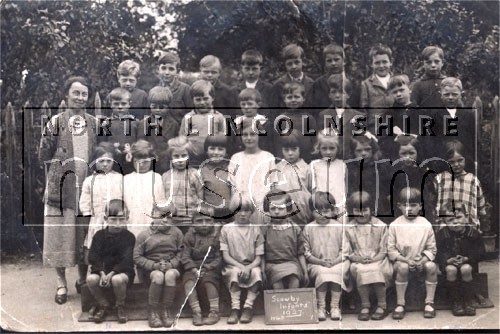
367, 260
106, 280
356, 258
244, 275
328, 263
202, 272
412, 264
459, 260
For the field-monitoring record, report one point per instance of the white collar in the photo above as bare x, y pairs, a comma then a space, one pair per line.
251, 85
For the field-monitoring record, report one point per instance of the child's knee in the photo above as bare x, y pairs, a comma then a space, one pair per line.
170, 277
402, 268
430, 267
157, 277
466, 270
118, 280
93, 279
451, 272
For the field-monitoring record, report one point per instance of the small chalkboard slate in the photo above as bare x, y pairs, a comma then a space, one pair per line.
293, 306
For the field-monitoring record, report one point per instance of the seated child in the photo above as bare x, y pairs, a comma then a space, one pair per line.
425, 91
460, 249
182, 185
293, 57
326, 255
157, 255
293, 177
122, 129
251, 66
366, 237
375, 97
203, 121
283, 264
295, 117
168, 72
111, 261
128, 72
411, 246
214, 174
242, 246
339, 116
461, 186
224, 96
202, 239
160, 125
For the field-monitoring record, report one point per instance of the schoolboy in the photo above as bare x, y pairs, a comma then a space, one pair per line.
334, 58
224, 97
251, 67
295, 117
168, 73
460, 249
121, 129
160, 125
203, 120
128, 72
111, 260
293, 59
339, 115
425, 91
375, 97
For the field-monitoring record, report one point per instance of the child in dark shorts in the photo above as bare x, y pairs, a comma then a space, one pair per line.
201, 259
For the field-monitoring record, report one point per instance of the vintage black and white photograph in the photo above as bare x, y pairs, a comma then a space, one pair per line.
186, 165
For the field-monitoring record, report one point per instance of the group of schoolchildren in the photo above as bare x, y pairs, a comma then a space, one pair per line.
190, 204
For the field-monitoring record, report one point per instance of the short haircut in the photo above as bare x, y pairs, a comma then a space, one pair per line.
380, 49
181, 142
251, 57
142, 149
170, 58
199, 87
119, 94
115, 208
218, 140
128, 67
160, 95
291, 87
454, 146
72, 79
430, 50
291, 140
364, 140
340, 83
321, 200
451, 82
277, 195
403, 140
104, 148
241, 201
323, 137
360, 200
410, 195
292, 51
250, 94
398, 81
333, 49
210, 60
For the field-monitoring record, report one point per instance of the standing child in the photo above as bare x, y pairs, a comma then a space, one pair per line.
214, 174
461, 186
122, 129
251, 67
425, 91
284, 264
326, 254
370, 267
202, 121
160, 125
157, 257
143, 188
128, 72
295, 117
201, 260
339, 115
460, 250
242, 246
250, 171
328, 174
411, 246
182, 185
293, 58
375, 97
97, 190
293, 177
111, 260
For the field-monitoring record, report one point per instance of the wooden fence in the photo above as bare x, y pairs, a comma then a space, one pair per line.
23, 176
